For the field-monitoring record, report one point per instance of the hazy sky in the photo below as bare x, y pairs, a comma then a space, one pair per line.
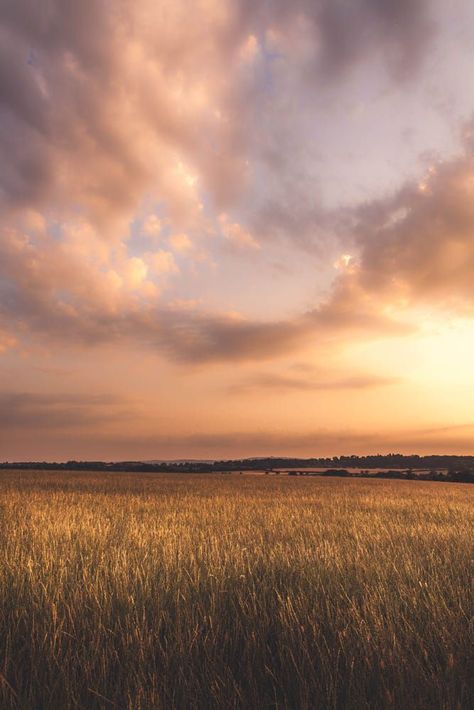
231, 227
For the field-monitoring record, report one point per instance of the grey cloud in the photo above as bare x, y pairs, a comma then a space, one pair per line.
278, 383
419, 245
200, 338
400, 27
24, 410
19, 93
63, 77
344, 32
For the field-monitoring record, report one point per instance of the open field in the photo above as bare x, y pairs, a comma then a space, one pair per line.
186, 591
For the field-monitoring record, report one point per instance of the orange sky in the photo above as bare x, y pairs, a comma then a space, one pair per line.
232, 229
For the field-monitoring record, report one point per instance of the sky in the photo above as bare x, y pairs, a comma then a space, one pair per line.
231, 228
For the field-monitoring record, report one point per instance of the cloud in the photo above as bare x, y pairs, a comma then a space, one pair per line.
50, 289
163, 262
32, 411
236, 235
48, 285
417, 247
193, 337
181, 243
278, 383
152, 226
110, 108
412, 250
331, 36
104, 104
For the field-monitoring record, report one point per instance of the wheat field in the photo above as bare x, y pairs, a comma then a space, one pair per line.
194, 591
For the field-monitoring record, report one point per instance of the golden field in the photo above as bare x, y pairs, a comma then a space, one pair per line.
194, 591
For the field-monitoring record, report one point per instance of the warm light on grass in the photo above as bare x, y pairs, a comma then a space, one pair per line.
168, 591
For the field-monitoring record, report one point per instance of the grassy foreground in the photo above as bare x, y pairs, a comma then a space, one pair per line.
167, 591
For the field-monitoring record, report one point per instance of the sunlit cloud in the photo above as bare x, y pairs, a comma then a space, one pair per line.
181, 243
236, 235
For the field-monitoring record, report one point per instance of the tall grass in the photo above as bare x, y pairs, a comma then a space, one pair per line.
169, 591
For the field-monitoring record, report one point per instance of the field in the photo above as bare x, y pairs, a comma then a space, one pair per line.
187, 591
